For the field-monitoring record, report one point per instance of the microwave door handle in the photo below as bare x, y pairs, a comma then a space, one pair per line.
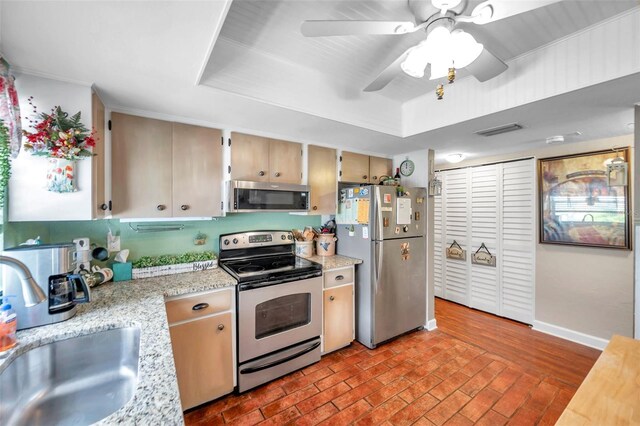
257, 368
77, 279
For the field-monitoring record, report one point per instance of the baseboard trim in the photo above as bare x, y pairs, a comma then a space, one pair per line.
431, 325
574, 336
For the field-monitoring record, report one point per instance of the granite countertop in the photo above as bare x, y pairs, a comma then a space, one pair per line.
334, 262
138, 303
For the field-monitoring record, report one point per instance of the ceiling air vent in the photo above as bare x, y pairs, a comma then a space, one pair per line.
499, 129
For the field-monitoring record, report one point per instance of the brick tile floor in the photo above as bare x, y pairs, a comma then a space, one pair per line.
423, 378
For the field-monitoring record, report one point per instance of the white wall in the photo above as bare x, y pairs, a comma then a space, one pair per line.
28, 198
585, 290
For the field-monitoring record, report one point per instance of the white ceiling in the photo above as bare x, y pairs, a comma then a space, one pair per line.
272, 27
145, 57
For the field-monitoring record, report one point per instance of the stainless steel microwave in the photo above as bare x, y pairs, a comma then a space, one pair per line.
245, 196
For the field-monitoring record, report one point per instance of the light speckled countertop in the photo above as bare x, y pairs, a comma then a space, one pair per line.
334, 262
138, 303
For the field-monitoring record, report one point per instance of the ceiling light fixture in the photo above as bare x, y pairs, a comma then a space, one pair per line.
455, 158
443, 49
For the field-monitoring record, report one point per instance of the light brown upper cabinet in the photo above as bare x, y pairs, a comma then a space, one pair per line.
197, 171
98, 200
322, 179
163, 169
379, 167
259, 159
364, 168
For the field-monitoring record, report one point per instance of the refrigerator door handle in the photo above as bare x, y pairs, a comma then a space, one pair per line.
378, 263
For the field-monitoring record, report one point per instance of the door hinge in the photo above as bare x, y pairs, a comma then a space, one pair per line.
110, 206
229, 142
221, 205
109, 124
340, 173
222, 140
229, 169
341, 158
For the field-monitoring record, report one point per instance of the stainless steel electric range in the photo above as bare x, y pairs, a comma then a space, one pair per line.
279, 305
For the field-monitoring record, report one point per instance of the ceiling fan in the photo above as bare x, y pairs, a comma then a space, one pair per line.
445, 47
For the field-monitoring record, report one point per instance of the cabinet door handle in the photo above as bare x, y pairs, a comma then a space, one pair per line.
315, 207
277, 174
374, 177
220, 327
261, 173
184, 207
332, 298
200, 306
364, 177
160, 207
339, 277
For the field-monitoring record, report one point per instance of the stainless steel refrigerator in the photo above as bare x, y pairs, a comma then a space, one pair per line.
387, 232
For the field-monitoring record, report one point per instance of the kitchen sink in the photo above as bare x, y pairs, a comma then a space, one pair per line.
76, 381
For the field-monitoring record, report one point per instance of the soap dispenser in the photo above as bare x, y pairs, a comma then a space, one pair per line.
8, 325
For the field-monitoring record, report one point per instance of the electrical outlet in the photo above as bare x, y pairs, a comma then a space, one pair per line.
113, 243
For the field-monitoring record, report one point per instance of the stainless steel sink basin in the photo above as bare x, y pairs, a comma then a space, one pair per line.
77, 381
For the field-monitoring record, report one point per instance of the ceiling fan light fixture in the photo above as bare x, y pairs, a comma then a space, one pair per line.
482, 13
465, 48
416, 61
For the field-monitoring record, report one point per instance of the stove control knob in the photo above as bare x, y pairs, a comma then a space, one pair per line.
226, 242
235, 241
289, 237
283, 237
405, 228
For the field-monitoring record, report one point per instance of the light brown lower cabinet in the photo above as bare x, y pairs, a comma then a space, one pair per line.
203, 354
338, 310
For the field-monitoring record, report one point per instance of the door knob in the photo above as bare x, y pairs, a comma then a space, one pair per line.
374, 177
184, 207
332, 298
277, 174
261, 173
103, 206
161, 207
220, 327
315, 207
364, 177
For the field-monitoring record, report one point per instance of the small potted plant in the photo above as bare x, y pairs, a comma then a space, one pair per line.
200, 239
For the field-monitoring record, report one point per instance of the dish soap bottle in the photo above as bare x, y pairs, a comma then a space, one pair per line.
8, 325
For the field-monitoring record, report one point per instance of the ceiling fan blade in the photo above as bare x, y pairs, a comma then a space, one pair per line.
494, 10
486, 66
343, 28
388, 74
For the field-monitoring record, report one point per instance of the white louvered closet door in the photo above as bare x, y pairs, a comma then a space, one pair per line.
438, 248
484, 281
455, 207
494, 205
518, 240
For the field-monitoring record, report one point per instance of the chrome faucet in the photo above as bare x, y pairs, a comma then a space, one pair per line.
31, 291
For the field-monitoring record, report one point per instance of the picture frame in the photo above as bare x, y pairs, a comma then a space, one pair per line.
578, 207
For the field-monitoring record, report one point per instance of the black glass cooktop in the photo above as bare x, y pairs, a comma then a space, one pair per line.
269, 267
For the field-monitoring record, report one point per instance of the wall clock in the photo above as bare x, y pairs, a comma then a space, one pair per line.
407, 167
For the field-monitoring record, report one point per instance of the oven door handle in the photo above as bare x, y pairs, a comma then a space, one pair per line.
250, 370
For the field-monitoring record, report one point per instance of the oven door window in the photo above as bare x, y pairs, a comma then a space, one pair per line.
283, 313
264, 199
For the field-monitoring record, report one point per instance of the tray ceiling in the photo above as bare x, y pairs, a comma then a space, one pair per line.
273, 28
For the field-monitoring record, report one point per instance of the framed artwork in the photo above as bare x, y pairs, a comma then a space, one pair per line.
577, 205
